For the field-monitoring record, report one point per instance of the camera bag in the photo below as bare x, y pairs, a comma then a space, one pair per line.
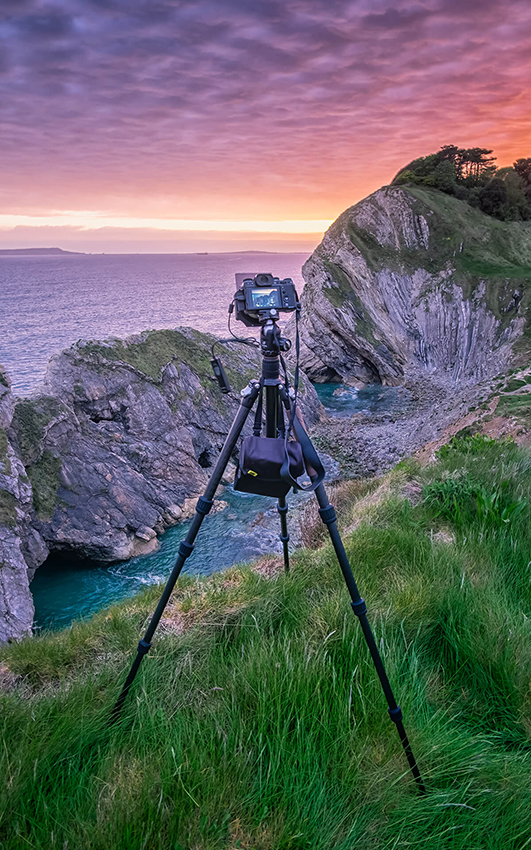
261, 461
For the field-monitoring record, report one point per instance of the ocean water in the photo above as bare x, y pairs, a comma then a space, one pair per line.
49, 302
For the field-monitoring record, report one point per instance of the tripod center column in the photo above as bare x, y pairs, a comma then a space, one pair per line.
270, 345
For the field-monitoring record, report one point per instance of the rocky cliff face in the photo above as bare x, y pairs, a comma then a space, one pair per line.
413, 282
16, 539
107, 457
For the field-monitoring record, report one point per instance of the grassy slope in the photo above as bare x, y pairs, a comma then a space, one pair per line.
258, 721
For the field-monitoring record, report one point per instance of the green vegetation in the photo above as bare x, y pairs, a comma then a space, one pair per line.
469, 242
29, 422
8, 514
460, 238
44, 477
258, 721
466, 249
470, 175
5, 463
155, 349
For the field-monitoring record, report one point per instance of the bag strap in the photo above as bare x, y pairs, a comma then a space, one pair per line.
257, 427
310, 456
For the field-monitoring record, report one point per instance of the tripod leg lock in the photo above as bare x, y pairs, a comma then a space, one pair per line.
359, 607
284, 538
143, 647
185, 549
328, 514
282, 509
203, 505
395, 714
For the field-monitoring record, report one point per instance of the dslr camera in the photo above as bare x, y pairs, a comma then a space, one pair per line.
261, 296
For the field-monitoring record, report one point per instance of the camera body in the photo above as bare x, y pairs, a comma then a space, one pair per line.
262, 296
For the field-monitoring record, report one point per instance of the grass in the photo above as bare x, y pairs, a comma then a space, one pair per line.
5, 463
8, 512
45, 482
151, 352
258, 722
30, 419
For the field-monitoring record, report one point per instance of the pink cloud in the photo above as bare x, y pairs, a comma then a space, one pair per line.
228, 109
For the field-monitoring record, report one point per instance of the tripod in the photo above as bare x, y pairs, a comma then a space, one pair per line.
276, 398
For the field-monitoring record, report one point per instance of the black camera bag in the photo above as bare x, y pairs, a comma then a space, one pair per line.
261, 460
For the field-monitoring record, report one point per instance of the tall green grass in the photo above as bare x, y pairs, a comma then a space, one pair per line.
258, 721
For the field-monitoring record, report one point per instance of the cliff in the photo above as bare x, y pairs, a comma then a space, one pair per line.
105, 459
16, 605
411, 282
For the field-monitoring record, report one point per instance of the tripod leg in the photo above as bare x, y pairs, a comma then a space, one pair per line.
328, 516
284, 534
203, 506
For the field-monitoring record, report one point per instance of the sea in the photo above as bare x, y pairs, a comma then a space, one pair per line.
48, 302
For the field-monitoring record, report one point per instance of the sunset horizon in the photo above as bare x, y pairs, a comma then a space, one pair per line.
184, 127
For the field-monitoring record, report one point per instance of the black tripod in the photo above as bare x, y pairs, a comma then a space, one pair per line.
276, 398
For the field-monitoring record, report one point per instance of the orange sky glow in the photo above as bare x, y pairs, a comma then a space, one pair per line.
171, 125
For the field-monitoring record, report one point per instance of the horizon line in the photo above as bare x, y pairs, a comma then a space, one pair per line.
85, 222
36, 250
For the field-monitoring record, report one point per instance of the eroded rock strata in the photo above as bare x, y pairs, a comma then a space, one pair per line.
21, 548
410, 282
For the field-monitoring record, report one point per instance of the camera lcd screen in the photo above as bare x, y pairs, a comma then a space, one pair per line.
265, 299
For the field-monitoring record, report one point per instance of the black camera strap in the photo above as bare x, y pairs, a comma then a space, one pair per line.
308, 452
257, 427
311, 459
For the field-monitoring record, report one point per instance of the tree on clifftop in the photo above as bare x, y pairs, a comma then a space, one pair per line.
523, 169
471, 175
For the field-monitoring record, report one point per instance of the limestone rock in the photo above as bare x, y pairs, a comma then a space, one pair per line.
412, 282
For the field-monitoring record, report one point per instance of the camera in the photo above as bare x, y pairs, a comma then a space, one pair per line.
262, 296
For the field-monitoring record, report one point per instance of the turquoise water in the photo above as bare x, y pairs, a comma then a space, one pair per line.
66, 588
342, 400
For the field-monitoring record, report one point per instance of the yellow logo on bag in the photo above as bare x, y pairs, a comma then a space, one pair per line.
250, 472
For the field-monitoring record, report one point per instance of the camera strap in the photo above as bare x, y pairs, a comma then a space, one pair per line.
309, 454
257, 427
311, 459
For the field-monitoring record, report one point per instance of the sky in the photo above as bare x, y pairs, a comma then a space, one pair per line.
170, 125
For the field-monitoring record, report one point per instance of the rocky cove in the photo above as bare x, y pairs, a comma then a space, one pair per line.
409, 289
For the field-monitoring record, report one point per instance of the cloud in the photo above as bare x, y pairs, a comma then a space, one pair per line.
229, 107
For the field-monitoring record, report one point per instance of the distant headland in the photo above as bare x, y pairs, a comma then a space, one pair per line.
18, 252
